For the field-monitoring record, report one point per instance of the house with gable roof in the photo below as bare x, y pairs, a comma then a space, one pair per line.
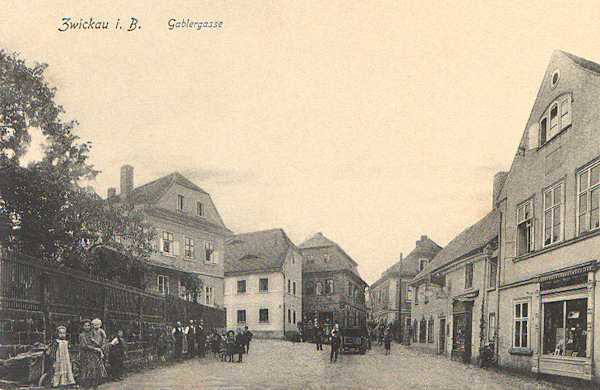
550, 229
453, 304
263, 283
333, 291
190, 234
388, 296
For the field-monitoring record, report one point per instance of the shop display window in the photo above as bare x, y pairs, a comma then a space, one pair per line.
565, 328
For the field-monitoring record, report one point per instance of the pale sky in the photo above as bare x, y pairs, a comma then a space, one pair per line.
372, 122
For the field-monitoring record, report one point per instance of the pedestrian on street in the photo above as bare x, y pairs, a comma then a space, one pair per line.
247, 338
215, 343
178, 337
228, 347
240, 344
191, 339
201, 339
319, 337
116, 356
92, 370
336, 341
387, 339
163, 338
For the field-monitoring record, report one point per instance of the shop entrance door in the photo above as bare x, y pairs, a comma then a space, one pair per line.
462, 330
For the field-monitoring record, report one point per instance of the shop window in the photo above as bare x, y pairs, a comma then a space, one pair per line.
525, 228
553, 206
521, 328
588, 204
565, 328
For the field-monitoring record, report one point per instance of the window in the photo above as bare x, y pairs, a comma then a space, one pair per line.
492, 327
422, 331
294, 316
525, 228
588, 191
189, 248
326, 257
553, 214
263, 284
241, 286
416, 295
168, 243
263, 315
199, 208
469, 275
430, 325
163, 284
184, 293
565, 328
289, 316
422, 264
493, 273
209, 250
409, 294
521, 325
329, 286
241, 316
319, 288
350, 290
294, 288
556, 118
289, 286
309, 288
210, 295
310, 259
180, 202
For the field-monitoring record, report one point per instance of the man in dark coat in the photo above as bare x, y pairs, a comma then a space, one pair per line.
247, 338
201, 339
319, 336
178, 337
116, 356
336, 341
191, 339
239, 344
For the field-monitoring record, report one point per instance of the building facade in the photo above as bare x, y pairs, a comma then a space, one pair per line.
453, 304
550, 229
333, 291
190, 235
263, 283
389, 300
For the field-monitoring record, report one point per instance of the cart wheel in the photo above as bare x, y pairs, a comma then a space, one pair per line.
44, 380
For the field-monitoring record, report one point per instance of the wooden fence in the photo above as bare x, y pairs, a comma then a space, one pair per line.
37, 296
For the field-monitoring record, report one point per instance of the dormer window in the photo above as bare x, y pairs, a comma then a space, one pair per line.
556, 118
423, 263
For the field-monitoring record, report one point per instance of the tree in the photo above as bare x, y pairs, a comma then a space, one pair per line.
51, 216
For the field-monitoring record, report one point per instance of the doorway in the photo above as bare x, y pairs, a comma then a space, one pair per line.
442, 338
462, 330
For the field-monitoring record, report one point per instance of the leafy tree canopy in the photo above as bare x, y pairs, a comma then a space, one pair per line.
49, 215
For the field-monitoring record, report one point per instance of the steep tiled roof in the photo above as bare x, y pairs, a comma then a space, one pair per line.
426, 249
256, 251
320, 241
151, 192
473, 238
586, 64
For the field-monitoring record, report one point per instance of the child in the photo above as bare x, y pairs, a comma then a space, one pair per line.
215, 343
59, 354
116, 356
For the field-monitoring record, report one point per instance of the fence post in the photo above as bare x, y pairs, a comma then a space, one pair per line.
45, 306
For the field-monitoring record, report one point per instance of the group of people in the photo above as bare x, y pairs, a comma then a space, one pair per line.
190, 341
96, 353
232, 343
335, 340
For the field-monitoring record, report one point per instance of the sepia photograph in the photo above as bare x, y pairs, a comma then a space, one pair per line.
299, 195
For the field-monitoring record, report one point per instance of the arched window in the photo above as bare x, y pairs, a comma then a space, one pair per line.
555, 119
319, 288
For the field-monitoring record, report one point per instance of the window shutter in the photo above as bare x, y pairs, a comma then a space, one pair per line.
533, 135
160, 245
176, 248
565, 109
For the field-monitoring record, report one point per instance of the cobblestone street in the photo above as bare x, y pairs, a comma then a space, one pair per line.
278, 364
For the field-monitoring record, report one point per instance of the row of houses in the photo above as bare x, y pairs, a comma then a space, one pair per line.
260, 279
521, 281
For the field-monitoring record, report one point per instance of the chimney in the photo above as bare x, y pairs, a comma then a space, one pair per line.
400, 255
112, 191
126, 180
499, 180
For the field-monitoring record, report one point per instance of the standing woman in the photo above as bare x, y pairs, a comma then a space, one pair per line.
387, 339
90, 358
